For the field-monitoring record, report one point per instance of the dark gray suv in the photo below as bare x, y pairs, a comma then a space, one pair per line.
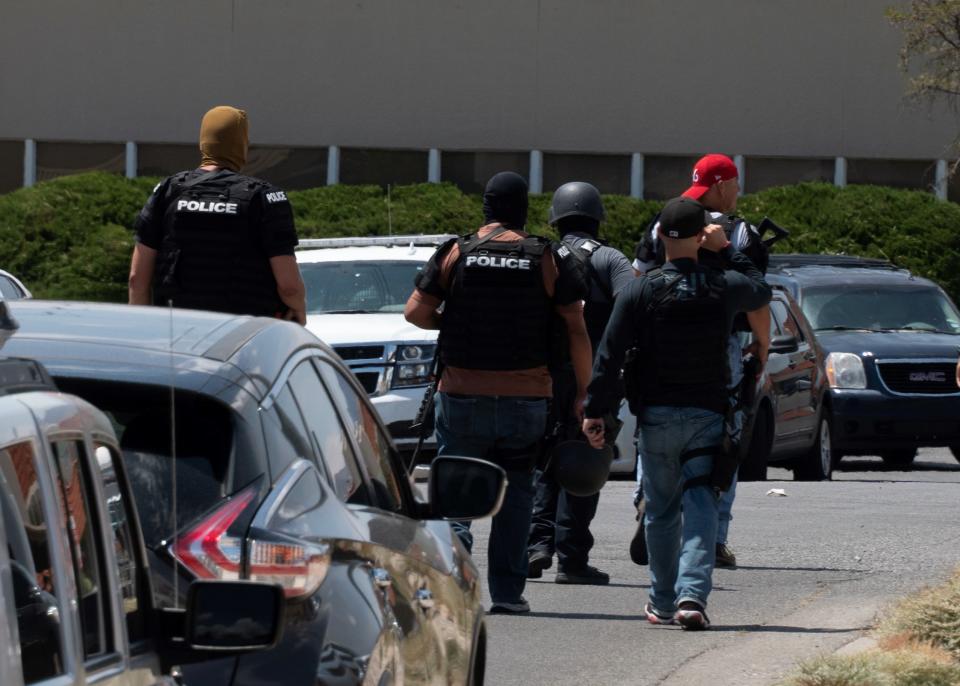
892, 341
281, 472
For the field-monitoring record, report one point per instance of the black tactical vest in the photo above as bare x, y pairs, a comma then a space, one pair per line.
683, 357
599, 305
497, 312
755, 250
211, 257
596, 309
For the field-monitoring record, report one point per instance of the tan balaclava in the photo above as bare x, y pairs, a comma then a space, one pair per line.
223, 138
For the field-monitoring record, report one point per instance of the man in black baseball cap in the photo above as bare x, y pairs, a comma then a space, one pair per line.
679, 319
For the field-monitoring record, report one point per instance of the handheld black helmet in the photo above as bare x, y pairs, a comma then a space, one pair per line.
581, 469
576, 199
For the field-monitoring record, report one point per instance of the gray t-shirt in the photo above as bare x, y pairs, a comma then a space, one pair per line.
611, 267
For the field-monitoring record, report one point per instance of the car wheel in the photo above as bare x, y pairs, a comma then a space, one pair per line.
817, 465
754, 467
899, 458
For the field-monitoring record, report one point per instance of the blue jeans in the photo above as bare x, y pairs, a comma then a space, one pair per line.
735, 360
506, 431
681, 522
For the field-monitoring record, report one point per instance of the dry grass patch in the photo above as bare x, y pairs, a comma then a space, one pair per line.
918, 645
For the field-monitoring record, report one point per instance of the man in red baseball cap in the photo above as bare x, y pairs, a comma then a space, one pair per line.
716, 183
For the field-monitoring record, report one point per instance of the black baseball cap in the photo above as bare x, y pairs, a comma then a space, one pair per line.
682, 218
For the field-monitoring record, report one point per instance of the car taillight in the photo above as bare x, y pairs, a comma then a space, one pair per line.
206, 550
298, 568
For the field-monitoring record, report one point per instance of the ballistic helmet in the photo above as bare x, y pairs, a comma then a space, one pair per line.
581, 469
576, 199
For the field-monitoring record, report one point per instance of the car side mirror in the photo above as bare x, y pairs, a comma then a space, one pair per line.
233, 616
463, 488
784, 344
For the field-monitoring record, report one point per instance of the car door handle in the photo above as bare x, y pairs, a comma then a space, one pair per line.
381, 578
424, 598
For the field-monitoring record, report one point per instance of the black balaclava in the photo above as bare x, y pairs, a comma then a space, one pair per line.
505, 200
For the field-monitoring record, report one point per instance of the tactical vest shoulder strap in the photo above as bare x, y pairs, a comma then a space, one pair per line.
472, 241
589, 247
663, 287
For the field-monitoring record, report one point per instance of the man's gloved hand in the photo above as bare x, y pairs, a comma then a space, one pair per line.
593, 429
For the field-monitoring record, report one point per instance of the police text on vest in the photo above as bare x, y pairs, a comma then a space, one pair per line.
499, 262
276, 196
207, 206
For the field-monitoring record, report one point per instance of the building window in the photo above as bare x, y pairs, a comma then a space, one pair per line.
666, 176
609, 173
916, 174
470, 171
767, 172
11, 165
60, 159
164, 159
289, 168
382, 167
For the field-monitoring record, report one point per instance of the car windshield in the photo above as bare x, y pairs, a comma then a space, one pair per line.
362, 286
878, 308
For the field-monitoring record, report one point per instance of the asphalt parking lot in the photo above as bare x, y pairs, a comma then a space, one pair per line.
815, 568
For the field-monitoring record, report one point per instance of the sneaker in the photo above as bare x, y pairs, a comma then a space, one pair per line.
515, 608
638, 544
725, 556
691, 616
538, 562
588, 576
656, 617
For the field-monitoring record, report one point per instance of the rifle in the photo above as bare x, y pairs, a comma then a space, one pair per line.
424, 422
734, 449
779, 233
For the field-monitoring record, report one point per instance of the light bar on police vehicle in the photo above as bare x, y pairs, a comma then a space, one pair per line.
381, 241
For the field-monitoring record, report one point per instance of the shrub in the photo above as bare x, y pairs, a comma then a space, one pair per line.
71, 237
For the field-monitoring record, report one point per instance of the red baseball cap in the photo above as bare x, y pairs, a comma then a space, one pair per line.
707, 171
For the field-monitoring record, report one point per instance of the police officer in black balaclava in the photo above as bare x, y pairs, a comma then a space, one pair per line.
214, 239
499, 289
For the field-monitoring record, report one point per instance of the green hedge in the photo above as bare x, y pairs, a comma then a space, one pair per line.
71, 238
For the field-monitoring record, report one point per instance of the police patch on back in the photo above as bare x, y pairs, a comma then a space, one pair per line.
498, 262
206, 206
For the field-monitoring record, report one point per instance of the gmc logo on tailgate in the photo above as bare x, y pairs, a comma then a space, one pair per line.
932, 377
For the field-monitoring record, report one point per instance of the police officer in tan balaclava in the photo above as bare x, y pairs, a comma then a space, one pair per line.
214, 239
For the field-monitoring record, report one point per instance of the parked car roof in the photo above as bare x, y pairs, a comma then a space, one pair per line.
12, 288
812, 270
145, 343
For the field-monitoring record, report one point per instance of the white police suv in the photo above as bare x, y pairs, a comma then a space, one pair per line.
356, 292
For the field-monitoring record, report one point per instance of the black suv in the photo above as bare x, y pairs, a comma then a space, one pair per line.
892, 343
280, 472
788, 423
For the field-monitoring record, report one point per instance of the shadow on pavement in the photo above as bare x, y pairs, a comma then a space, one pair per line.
587, 615
773, 628
804, 569
854, 464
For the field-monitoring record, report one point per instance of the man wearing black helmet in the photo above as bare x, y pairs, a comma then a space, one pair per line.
561, 520
678, 319
500, 288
